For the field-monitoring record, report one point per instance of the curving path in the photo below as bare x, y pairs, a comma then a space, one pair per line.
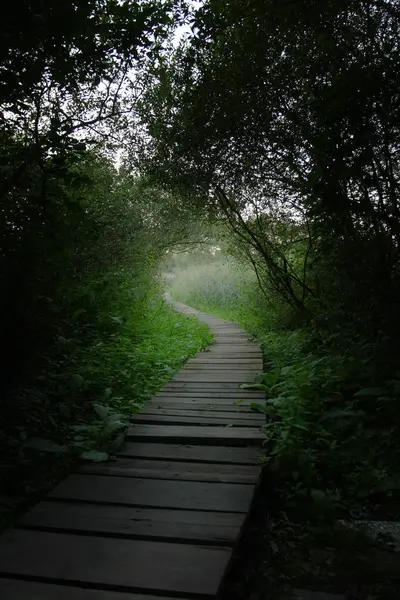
162, 520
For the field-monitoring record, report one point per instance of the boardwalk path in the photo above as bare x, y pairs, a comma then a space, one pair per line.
161, 521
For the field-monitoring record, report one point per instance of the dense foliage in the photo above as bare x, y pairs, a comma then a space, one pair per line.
272, 127
283, 118
86, 334
331, 442
282, 121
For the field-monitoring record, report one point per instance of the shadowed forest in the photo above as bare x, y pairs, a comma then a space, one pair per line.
242, 156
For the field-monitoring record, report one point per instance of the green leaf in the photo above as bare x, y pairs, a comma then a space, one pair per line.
118, 320
44, 445
317, 495
101, 410
94, 456
77, 380
257, 407
372, 391
286, 370
112, 427
340, 414
253, 386
107, 393
78, 313
116, 444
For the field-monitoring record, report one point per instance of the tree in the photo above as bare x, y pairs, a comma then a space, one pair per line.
66, 70
290, 111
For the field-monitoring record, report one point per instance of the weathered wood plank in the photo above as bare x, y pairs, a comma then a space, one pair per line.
14, 589
193, 453
202, 386
186, 495
243, 415
199, 392
243, 343
195, 366
200, 405
227, 436
121, 521
234, 347
198, 395
227, 351
196, 419
215, 376
211, 360
238, 340
175, 471
133, 565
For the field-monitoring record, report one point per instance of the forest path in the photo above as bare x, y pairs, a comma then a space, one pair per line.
163, 519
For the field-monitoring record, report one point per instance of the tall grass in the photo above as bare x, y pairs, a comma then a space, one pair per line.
223, 287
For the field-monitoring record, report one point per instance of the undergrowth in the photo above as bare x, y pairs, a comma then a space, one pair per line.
79, 405
331, 438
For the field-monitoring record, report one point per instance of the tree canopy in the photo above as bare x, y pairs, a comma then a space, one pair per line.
290, 112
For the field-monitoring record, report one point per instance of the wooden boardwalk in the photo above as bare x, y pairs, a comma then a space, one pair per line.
162, 520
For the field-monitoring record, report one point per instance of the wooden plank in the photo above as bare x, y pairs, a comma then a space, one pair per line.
234, 338
14, 589
233, 346
218, 363
193, 453
227, 356
224, 364
187, 495
198, 404
198, 368
228, 350
136, 523
237, 346
200, 360
192, 411
193, 395
206, 394
196, 419
192, 401
175, 471
229, 330
204, 397
227, 436
203, 386
216, 376
132, 565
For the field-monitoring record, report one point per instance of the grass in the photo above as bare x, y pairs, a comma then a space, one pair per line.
80, 403
225, 288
